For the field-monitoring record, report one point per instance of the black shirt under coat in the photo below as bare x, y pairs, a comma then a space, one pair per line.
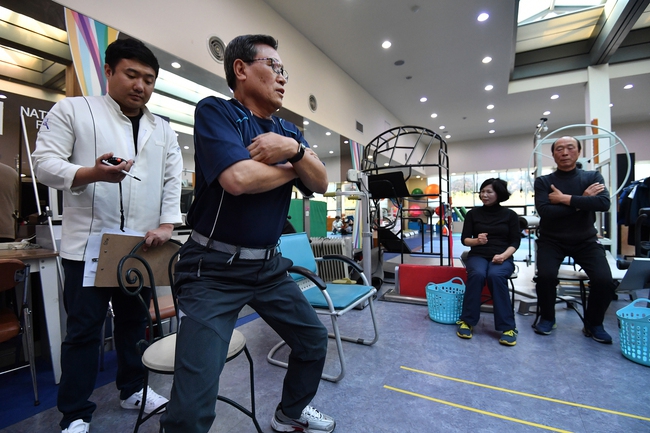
500, 223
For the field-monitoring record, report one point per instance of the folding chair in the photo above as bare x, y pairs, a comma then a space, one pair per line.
158, 352
333, 300
16, 322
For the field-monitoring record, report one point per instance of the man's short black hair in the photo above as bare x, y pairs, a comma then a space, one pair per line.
245, 48
570, 136
130, 49
499, 186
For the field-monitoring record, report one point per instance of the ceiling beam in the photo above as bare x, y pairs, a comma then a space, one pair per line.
615, 29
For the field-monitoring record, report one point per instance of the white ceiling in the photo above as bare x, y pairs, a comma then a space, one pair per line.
442, 44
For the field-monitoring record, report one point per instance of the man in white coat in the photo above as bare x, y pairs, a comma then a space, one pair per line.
77, 135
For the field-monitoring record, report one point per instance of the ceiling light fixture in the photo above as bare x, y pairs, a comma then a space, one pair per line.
489, 107
423, 99
346, 142
555, 96
176, 65
434, 115
628, 86
491, 131
491, 121
611, 105
305, 122
331, 151
186, 147
487, 59
442, 127
489, 87
447, 136
386, 164
315, 146
483, 17
3, 96
546, 113
386, 44
328, 133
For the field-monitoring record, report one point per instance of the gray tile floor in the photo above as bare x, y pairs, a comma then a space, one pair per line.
420, 377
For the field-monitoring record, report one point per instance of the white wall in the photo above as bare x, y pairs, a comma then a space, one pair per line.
183, 28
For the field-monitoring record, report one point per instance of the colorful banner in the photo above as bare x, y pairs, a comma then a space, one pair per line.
88, 40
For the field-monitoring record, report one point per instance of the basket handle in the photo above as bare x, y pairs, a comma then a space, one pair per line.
460, 281
646, 300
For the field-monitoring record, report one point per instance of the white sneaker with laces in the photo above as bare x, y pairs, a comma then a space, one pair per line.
311, 421
153, 401
77, 426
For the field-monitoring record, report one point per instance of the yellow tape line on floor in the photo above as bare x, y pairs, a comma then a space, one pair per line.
496, 415
539, 397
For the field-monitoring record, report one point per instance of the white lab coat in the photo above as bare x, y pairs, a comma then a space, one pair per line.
74, 134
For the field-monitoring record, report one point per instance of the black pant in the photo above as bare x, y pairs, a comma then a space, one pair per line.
212, 290
590, 256
86, 308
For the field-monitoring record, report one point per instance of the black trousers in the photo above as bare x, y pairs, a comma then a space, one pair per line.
212, 290
590, 256
86, 308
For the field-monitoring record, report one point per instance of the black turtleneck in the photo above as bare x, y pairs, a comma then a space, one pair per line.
500, 223
574, 223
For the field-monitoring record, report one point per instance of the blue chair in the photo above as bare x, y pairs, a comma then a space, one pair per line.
328, 299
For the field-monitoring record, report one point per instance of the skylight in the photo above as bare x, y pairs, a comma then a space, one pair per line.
537, 10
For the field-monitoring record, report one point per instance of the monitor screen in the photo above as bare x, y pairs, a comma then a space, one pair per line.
637, 276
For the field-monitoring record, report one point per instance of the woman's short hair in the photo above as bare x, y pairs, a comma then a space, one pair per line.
499, 186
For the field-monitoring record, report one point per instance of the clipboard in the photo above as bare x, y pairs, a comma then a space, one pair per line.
114, 247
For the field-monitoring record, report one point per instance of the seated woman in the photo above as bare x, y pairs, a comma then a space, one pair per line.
492, 232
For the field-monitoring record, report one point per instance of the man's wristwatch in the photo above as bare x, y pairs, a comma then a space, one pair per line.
298, 156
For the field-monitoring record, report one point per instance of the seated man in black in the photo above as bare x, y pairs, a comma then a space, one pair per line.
567, 201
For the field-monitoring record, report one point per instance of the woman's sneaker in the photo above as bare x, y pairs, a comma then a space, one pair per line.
311, 421
509, 338
464, 330
545, 327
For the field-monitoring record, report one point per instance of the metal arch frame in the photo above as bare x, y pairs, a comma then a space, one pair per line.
582, 137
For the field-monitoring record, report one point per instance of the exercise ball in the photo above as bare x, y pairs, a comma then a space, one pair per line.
416, 192
432, 190
415, 210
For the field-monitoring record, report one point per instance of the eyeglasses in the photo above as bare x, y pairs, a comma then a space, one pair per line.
275, 65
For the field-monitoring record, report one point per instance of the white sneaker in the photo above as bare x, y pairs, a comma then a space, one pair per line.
153, 401
311, 421
77, 426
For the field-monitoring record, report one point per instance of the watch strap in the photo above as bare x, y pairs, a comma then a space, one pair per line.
298, 156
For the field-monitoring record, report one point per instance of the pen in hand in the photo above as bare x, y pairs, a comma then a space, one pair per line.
123, 171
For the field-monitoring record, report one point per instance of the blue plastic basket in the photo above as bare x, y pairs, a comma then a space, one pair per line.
634, 328
445, 300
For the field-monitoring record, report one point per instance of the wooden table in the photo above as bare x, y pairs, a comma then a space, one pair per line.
44, 262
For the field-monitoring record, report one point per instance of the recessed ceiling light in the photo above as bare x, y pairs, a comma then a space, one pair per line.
442, 127
315, 146
346, 142
447, 136
331, 151
423, 99
482, 17
555, 96
546, 113
491, 131
417, 177
186, 147
176, 65
328, 133
487, 59
628, 86
489, 107
305, 122
3, 96
489, 87
611, 105
386, 164
491, 121
434, 115
386, 44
